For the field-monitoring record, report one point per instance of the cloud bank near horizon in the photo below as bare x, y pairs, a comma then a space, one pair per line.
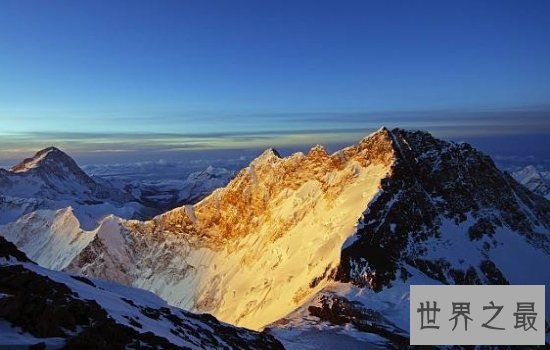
258, 131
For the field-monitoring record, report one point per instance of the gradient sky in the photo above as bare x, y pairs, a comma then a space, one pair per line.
174, 75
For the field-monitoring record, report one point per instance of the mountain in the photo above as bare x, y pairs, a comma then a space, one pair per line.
321, 248
534, 180
445, 215
240, 253
47, 175
43, 308
52, 180
167, 194
201, 183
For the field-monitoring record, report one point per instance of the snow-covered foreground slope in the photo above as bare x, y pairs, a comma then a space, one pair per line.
38, 305
52, 180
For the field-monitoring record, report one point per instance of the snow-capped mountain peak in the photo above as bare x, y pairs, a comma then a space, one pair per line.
529, 173
240, 252
317, 151
53, 172
48, 159
53, 180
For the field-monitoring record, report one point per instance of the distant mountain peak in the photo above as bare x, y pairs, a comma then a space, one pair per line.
50, 149
530, 172
52, 179
49, 157
533, 179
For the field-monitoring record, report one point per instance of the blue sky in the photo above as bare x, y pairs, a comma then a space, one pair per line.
176, 75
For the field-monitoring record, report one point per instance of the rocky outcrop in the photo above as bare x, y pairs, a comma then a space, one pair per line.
431, 182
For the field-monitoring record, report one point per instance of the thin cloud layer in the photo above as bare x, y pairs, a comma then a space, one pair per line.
285, 130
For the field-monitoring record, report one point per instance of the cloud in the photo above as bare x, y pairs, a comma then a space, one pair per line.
287, 129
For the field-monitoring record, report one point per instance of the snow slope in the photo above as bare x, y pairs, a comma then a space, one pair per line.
53, 238
38, 305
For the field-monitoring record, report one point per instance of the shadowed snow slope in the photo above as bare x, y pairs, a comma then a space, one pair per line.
55, 309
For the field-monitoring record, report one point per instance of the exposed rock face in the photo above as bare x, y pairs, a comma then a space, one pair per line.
8, 250
445, 214
434, 182
76, 313
338, 310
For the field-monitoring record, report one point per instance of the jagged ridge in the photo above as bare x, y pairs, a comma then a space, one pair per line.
239, 253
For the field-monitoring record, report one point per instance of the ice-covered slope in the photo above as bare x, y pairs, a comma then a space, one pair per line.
52, 180
54, 309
